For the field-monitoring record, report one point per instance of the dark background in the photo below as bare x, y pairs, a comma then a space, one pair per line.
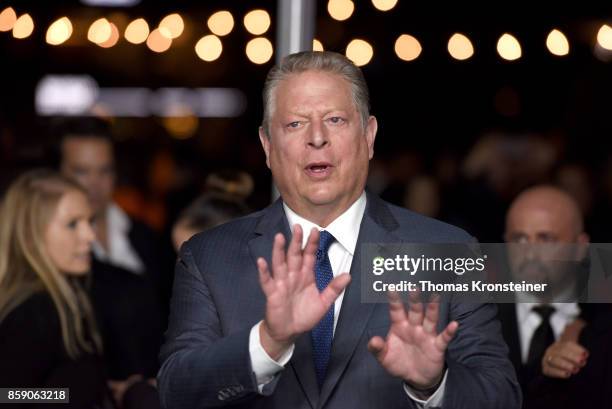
432, 112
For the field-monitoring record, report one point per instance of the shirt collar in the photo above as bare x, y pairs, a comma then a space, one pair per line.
345, 228
117, 219
569, 310
118, 224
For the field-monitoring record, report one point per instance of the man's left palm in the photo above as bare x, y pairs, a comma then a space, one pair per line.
412, 350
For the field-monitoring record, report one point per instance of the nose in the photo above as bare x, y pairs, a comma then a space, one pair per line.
87, 233
317, 135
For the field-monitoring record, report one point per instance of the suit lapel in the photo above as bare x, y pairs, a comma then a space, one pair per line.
303, 366
273, 221
376, 227
507, 317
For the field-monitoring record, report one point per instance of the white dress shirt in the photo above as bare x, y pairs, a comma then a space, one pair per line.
120, 252
345, 230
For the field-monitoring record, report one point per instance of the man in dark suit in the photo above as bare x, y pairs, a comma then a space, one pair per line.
259, 320
540, 217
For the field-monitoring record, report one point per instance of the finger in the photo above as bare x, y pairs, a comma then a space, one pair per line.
415, 313
446, 336
313, 240
265, 280
279, 263
294, 252
558, 362
397, 310
431, 315
555, 373
309, 256
376, 346
414, 296
571, 351
334, 289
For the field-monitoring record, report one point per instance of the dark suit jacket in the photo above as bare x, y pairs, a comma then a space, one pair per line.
129, 319
217, 300
507, 317
130, 315
590, 387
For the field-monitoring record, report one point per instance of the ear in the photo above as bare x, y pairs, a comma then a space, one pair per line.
583, 240
265, 144
370, 134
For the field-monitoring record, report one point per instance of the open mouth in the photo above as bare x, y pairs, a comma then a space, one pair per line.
319, 169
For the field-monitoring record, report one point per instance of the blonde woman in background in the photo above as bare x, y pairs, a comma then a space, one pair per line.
48, 334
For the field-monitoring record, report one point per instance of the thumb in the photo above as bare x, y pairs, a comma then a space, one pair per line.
376, 346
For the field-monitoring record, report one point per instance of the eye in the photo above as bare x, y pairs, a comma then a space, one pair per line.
294, 124
518, 238
547, 238
336, 120
72, 224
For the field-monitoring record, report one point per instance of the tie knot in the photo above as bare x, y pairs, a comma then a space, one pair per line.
325, 240
544, 311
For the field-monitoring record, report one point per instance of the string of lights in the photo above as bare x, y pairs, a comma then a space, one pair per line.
106, 33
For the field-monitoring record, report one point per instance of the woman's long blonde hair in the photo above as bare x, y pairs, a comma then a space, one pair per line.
25, 265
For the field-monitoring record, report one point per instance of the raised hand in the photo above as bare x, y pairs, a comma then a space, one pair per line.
564, 359
566, 356
412, 350
293, 302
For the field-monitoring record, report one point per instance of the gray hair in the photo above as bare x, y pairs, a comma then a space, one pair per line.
325, 61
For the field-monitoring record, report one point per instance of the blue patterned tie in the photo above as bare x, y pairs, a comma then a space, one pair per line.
323, 333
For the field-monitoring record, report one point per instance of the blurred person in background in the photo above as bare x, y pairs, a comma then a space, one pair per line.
423, 196
85, 152
543, 333
224, 200
125, 286
48, 333
399, 169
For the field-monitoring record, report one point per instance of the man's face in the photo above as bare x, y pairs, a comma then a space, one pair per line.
90, 162
543, 243
318, 151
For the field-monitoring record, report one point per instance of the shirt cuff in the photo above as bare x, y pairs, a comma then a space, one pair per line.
435, 400
264, 367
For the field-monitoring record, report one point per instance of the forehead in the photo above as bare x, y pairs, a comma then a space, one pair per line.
552, 219
325, 89
72, 203
79, 147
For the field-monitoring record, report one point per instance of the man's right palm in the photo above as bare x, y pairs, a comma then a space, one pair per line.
294, 304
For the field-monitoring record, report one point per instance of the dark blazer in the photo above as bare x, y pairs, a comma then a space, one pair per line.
129, 318
510, 331
146, 243
217, 300
590, 387
130, 314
